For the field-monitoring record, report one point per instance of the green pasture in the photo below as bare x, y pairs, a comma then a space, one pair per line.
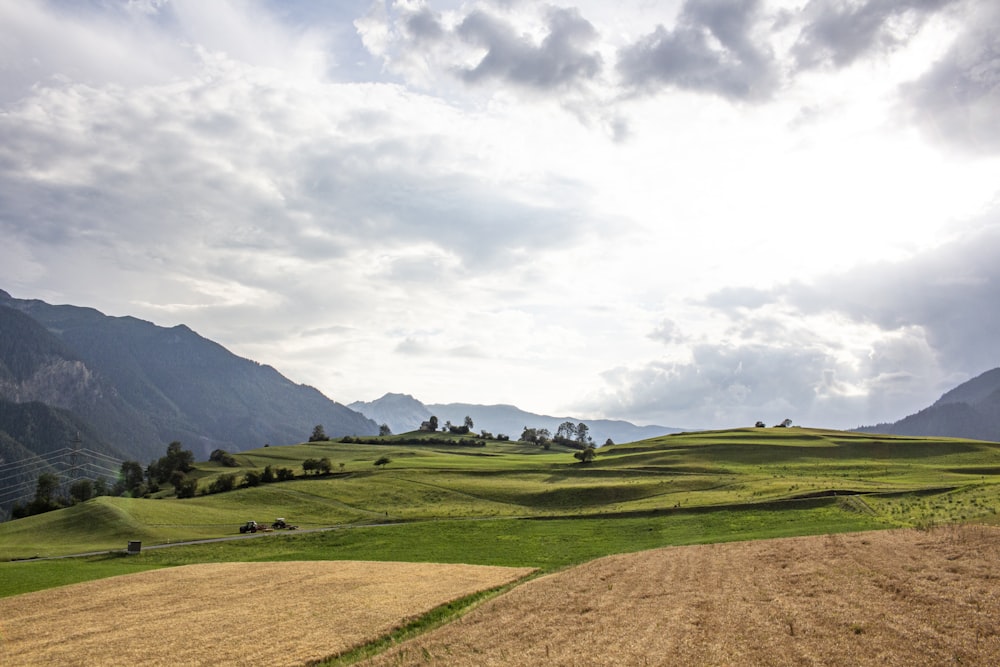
512, 503
548, 544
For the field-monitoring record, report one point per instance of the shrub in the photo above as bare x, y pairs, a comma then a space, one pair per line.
223, 483
187, 488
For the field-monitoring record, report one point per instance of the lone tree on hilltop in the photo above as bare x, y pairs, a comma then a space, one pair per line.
318, 434
384, 430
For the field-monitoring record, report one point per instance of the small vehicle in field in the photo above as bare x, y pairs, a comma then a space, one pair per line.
281, 524
250, 527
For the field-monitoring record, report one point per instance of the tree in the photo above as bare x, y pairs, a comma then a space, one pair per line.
81, 490
582, 433
45, 494
382, 462
468, 423
224, 457
318, 434
177, 458
384, 430
586, 455
433, 423
187, 488
131, 477
177, 478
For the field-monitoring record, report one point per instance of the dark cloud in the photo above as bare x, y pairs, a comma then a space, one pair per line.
712, 49
949, 293
424, 26
958, 99
561, 60
837, 33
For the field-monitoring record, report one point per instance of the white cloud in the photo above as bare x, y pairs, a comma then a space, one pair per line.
469, 201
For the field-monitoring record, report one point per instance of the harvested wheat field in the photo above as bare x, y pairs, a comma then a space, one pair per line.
230, 613
883, 598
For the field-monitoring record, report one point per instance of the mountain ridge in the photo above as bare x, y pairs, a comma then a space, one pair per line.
403, 412
141, 385
970, 410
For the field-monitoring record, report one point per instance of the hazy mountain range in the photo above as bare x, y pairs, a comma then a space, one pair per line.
402, 412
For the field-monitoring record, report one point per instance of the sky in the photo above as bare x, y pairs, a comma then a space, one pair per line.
692, 213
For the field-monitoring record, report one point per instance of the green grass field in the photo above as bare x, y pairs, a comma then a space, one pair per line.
512, 504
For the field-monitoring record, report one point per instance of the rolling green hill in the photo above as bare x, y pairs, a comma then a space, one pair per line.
462, 499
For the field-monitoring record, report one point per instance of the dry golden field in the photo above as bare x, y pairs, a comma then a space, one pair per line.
904, 598
230, 614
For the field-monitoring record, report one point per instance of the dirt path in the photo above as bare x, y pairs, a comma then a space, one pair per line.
904, 598
230, 613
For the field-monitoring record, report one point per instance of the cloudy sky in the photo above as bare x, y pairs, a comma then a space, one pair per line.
696, 213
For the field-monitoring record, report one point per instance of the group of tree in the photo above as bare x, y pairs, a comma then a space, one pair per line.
464, 429
133, 480
573, 435
784, 424
317, 466
224, 457
576, 436
230, 481
48, 495
174, 468
537, 436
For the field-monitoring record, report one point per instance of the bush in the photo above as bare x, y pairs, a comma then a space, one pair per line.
285, 474
223, 483
187, 488
224, 457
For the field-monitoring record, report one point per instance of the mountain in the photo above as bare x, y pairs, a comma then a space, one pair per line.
142, 386
404, 413
970, 410
401, 412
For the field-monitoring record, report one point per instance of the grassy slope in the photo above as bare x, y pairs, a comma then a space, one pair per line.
698, 487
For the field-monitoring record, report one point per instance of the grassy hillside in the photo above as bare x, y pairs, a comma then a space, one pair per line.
458, 499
